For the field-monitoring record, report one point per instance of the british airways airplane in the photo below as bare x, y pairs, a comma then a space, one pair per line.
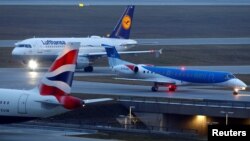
34, 50
50, 97
170, 77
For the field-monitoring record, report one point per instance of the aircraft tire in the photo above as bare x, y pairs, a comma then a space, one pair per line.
235, 93
89, 69
154, 89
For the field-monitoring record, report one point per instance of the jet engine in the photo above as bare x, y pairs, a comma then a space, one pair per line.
82, 62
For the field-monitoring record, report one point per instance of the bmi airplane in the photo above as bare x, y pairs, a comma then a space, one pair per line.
50, 97
33, 50
170, 77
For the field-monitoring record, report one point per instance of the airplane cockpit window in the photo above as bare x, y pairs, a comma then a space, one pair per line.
24, 45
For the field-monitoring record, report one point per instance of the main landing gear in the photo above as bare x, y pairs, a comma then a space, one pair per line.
89, 69
171, 87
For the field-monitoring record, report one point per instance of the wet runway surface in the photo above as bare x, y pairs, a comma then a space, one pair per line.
20, 78
122, 2
12, 133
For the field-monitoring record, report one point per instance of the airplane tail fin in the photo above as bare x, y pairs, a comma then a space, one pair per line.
122, 29
58, 80
113, 56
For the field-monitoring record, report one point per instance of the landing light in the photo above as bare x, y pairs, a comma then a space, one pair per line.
236, 89
32, 64
81, 5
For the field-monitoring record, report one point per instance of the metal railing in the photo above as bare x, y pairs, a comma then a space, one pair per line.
194, 102
65, 125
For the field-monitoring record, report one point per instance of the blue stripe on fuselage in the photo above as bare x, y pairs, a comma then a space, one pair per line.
192, 76
66, 77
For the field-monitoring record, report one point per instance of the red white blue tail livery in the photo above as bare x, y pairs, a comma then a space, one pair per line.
51, 96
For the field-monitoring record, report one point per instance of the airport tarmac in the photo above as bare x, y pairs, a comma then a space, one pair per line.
172, 41
122, 2
24, 79
20, 78
150, 22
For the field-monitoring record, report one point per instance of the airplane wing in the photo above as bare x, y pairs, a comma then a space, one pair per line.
157, 80
96, 101
102, 54
86, 101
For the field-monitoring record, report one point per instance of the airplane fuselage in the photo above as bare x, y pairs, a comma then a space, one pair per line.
24, 105
179, 76
47, 49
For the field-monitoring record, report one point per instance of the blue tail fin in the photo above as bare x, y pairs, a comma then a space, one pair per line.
122, 29
113, 56
111, 51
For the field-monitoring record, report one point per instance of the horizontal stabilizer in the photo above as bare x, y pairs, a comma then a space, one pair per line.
49, 101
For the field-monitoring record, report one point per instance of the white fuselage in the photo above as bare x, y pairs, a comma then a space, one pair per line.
47, 49
27, 103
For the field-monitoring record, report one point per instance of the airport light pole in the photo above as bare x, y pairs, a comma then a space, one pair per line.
130, 112
226, 113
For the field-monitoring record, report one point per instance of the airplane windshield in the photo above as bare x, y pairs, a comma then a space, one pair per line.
24, 45
230, 76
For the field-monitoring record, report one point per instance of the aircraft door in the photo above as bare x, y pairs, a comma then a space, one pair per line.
22, 104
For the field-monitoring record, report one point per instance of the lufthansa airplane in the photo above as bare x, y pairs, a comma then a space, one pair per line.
50, 97
170, 77
34, 50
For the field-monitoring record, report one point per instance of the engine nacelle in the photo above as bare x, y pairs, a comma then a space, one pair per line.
136, 69
82, 62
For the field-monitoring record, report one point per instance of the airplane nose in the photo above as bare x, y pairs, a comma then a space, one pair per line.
133, 42
240, 83
14, 51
